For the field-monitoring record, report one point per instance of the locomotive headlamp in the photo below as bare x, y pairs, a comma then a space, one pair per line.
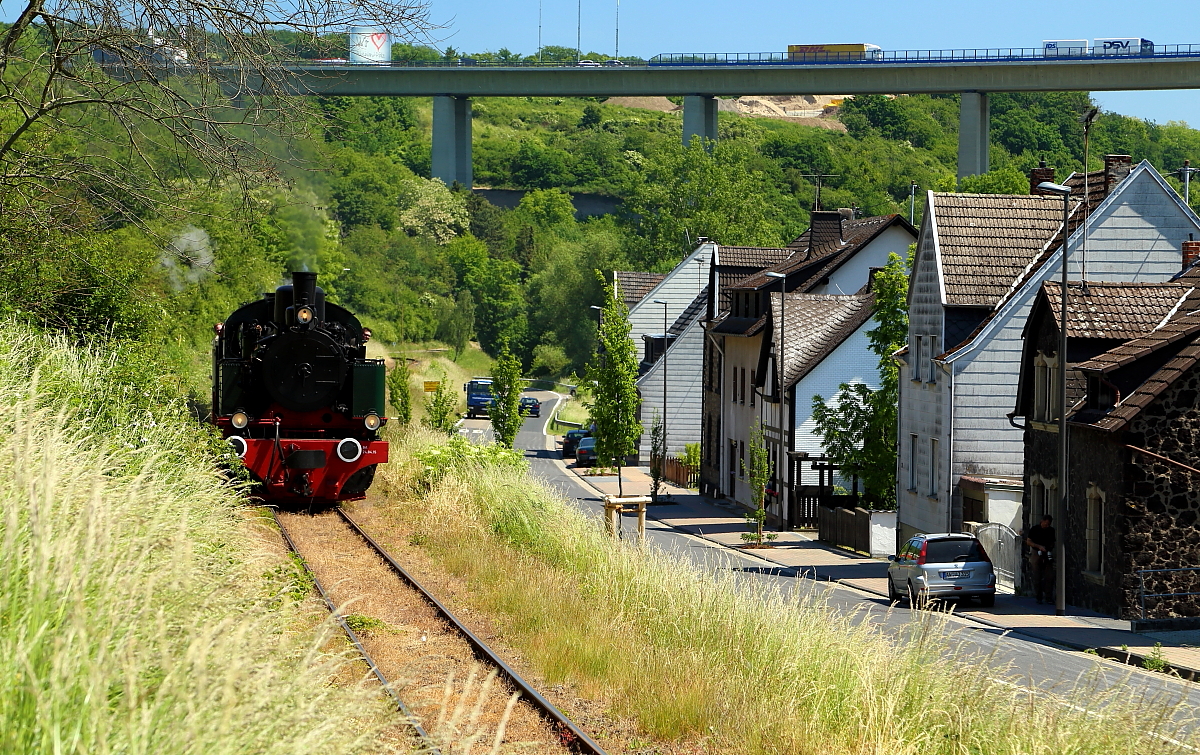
240, 420
371, 422
304, 315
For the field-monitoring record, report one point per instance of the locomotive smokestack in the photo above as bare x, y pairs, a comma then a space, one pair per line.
304, 288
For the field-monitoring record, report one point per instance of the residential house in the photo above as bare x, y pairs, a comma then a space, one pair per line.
660, 307
820, 324
1133, 357
980, 262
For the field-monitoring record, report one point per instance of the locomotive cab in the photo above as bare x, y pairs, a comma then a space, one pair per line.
296, 396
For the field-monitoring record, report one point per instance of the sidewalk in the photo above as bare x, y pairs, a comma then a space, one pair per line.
800, 554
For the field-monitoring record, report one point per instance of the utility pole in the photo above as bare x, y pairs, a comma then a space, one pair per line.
578, 30
1186, 174
539, 31
1064, 488
666, 345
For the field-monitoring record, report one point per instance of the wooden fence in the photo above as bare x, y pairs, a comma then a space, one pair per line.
849, 528
678, 473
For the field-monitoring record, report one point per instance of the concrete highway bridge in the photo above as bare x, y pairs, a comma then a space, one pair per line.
701, 78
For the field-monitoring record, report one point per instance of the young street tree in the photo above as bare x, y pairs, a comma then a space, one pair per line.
615, 405
505, 411
758, 474
398, 390
658, 454
859, 426
439, 408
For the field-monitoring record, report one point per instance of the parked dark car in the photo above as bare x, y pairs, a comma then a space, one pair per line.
571, 440
531, 407
585, 452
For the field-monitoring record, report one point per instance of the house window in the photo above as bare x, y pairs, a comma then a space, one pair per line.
912, 462
1095, 529
1041, 388
742, 459
733, 386
934, 467
1054, 391
933, 352
751, 387
743, 385
918, 342
1037, 501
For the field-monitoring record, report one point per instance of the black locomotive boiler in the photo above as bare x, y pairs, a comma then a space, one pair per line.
296, 397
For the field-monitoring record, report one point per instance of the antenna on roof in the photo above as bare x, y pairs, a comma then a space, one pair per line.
817, 198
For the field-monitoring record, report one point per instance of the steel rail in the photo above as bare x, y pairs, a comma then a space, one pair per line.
409, 718
579, 742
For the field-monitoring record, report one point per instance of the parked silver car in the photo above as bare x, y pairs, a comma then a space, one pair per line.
942, 566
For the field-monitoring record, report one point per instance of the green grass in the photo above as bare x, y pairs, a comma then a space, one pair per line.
425, 361
141, 609
704, 661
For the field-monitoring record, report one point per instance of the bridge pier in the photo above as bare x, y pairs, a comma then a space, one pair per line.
699, 117
973, 136
451, 157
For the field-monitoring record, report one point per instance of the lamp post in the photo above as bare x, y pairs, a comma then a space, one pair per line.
1064, 487
779, 361
666, 343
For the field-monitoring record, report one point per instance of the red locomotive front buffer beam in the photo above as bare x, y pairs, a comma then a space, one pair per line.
303, 469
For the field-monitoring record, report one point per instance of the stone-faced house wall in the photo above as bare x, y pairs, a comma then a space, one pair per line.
1099, 462
1160, 516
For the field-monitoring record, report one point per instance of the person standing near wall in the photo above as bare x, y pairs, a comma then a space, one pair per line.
1040, 540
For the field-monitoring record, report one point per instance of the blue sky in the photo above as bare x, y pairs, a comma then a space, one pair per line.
653, 26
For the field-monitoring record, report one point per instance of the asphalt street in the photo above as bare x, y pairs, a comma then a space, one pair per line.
1027, 664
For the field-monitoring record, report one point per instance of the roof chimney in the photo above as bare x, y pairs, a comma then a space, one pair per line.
1191, 251
826, 229
847, 213
1116, 168
1038, 175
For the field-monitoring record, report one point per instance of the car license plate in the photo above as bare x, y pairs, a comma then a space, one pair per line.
956, 574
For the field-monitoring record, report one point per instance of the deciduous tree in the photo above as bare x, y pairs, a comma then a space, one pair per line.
615, 405
505, 412
858, 426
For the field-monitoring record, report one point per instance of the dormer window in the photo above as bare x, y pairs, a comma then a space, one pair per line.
1046, 394
1101, 394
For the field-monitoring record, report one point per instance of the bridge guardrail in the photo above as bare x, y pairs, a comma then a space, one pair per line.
872, 58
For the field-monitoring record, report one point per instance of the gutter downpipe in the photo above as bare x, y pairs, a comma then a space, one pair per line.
949, 368
899, 449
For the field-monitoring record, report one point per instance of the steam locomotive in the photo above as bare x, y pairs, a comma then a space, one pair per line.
296, 397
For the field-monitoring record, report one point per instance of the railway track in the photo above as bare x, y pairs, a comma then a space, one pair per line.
558, 733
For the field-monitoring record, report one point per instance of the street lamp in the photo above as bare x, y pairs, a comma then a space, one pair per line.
1060, 587
779, 361
664, 371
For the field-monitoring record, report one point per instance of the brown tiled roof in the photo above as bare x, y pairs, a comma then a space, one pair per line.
1115, 310
817, 263
634, 286
988, 240
756, 257
1133, 404
816, 324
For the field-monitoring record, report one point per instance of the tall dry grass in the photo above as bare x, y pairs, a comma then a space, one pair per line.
706, 658
134, 614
